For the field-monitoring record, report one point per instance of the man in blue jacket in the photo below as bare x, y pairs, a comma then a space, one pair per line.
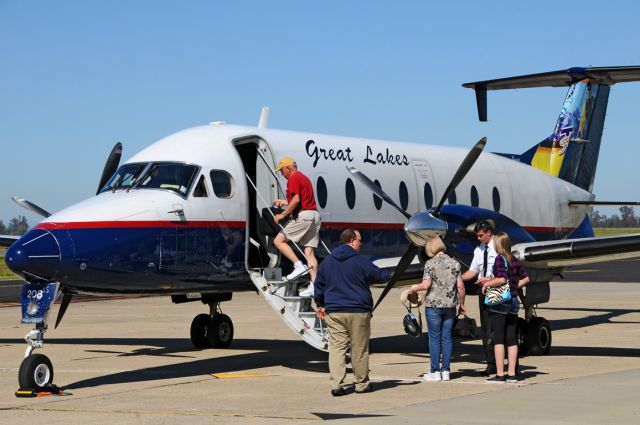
344, 300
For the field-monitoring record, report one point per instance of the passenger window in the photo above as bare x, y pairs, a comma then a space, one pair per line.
404, 196
350, 191
475, 200
496, 200
428, 196
200, 191
321, 191
377, 201
452, 197
222, 183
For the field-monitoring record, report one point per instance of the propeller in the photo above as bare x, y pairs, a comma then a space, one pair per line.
66, 299
111, 165
30, 206
463, 169
404, 262
423, 225
376, 189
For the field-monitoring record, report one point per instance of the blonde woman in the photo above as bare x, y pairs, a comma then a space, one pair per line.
444, 288
504, 317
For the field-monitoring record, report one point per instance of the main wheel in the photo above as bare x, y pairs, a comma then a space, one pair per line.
200, 330
539, 336
220, 332
36, 372
522, 336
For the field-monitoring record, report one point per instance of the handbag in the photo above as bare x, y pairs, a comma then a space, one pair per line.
499, 294
465, 327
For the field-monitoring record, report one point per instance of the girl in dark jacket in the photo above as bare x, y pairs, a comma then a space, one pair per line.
504, 317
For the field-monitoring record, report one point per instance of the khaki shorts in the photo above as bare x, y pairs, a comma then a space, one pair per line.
304, 230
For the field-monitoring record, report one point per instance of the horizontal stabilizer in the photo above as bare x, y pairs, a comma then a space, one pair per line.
602, 75
569, 252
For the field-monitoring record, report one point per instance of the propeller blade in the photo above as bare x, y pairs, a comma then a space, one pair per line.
463, 169
400, 268
375, 189
111, 165
30, 206
66, 299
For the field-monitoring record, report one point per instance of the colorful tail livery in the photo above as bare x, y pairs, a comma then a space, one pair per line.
571, 151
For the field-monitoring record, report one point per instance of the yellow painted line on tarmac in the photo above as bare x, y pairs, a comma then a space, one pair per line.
160, 412
9, 305
238, 375
582, 271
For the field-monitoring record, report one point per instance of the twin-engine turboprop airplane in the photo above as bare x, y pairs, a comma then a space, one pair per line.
184, 217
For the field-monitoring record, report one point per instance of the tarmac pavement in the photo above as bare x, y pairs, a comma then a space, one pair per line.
131, 360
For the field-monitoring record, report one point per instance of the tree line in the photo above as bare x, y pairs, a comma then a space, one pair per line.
17, 226
626, 218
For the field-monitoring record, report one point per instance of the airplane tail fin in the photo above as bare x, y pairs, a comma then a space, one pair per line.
571, 151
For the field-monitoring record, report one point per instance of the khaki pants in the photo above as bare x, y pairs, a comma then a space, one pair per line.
345, 328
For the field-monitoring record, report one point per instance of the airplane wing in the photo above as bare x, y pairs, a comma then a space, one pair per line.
569, 252
413, 272
7, 240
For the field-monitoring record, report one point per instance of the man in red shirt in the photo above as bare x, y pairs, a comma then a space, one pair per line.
304, 226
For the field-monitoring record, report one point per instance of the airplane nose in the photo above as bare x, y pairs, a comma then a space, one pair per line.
35, 256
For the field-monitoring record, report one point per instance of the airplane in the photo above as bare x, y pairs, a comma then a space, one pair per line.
187, 216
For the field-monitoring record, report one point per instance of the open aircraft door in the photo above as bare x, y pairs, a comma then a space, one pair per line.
262, 190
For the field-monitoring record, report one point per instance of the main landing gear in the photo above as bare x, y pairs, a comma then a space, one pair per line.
534, 334
213, 330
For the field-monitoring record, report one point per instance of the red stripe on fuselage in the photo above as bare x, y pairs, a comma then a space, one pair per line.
138, 224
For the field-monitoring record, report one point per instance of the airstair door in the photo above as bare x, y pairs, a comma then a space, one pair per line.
262, 190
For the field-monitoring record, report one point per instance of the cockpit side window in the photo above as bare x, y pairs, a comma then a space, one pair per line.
200, 191
125, 177
169, 176
223, 184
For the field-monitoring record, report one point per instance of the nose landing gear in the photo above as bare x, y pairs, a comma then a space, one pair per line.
36, 370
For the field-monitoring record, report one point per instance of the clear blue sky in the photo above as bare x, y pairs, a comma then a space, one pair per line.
77, 76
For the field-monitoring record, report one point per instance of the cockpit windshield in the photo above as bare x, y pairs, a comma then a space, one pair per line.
126, 176
176, 177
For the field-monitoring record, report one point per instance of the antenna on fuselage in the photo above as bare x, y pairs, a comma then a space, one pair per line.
264, 118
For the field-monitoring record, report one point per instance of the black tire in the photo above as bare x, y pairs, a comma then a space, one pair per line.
220, 332
200, 331
522, 336
36, 372
539, 336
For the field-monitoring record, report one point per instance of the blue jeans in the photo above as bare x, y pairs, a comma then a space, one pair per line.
440, 326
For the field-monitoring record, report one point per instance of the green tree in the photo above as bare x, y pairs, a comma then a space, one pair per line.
3, 228
627, 216
18, 226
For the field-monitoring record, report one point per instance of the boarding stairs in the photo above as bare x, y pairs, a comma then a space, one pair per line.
295, 311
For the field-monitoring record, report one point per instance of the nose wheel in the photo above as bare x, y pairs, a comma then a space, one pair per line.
36, 372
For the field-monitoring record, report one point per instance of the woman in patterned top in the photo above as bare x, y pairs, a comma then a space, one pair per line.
444, 288
504, 317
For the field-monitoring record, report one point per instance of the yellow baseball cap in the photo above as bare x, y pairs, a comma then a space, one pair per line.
287, 161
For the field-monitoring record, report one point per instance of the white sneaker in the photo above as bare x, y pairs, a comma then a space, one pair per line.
432, 377
307, 292
297, 272
445, 375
